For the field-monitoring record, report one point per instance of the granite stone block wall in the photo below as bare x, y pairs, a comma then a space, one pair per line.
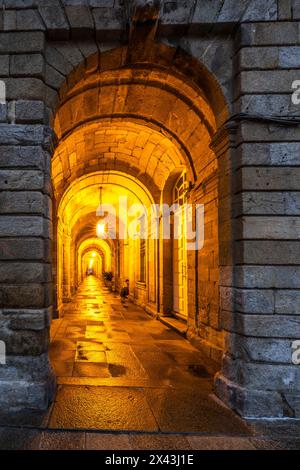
245, 298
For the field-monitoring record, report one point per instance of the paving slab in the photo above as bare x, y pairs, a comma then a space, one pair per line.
104, 408
220, 443
25, 418
185, 410
282, 444
19, 439
159, 442
100, 441
62, 441
127, 371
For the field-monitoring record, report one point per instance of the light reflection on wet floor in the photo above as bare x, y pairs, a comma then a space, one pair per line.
100, 338
120, 369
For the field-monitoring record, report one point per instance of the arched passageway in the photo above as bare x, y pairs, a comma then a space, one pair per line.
134, 150
120, 369
144, 131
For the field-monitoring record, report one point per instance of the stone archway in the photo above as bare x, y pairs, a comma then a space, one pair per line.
56, 62
151, 121
171, 121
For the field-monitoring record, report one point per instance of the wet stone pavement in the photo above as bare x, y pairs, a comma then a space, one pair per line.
127, 381
119, 369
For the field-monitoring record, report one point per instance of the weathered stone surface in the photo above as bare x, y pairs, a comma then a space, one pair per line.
268, 203
249, 403
102, 3
30, 202
108, 23
23, 249
3, 112
54, 18
215, 54
292, 401
260, 58
54, 78
29, 64
262, 326
4, 65
80, 19
279, 105
70, 53
254, 301
263, 376
15, 156
20, 3
228, 13
176, 12
22, 179
25, 226
20, 394
24, 88
58, 60
24, 272
9, 20
30, 112
272, 178
32, 320
258, 11
259, 297
271, 228
29, 20
26, 382
273, 154
282, 33
22, 296
296, 9
289, 57
267, 132
268, 277
287, 302
87, 48
63, 441
260, 349
285, 9
268, 252
279, 81
207, 11
21, 135
21, 42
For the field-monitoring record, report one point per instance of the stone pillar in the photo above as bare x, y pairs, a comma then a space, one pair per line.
26, 380
72, 270
261, 301
66, 267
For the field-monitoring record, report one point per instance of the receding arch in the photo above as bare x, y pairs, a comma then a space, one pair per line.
151, 120
163, 58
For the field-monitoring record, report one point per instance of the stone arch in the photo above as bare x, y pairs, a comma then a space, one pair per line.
150, 120
60, 50
161, 56
91, 252
173, 105
88, 245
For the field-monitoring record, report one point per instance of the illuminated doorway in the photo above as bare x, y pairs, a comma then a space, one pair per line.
139, 134
180, 301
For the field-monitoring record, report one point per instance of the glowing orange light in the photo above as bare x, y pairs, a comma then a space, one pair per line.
94, 254
100, 229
